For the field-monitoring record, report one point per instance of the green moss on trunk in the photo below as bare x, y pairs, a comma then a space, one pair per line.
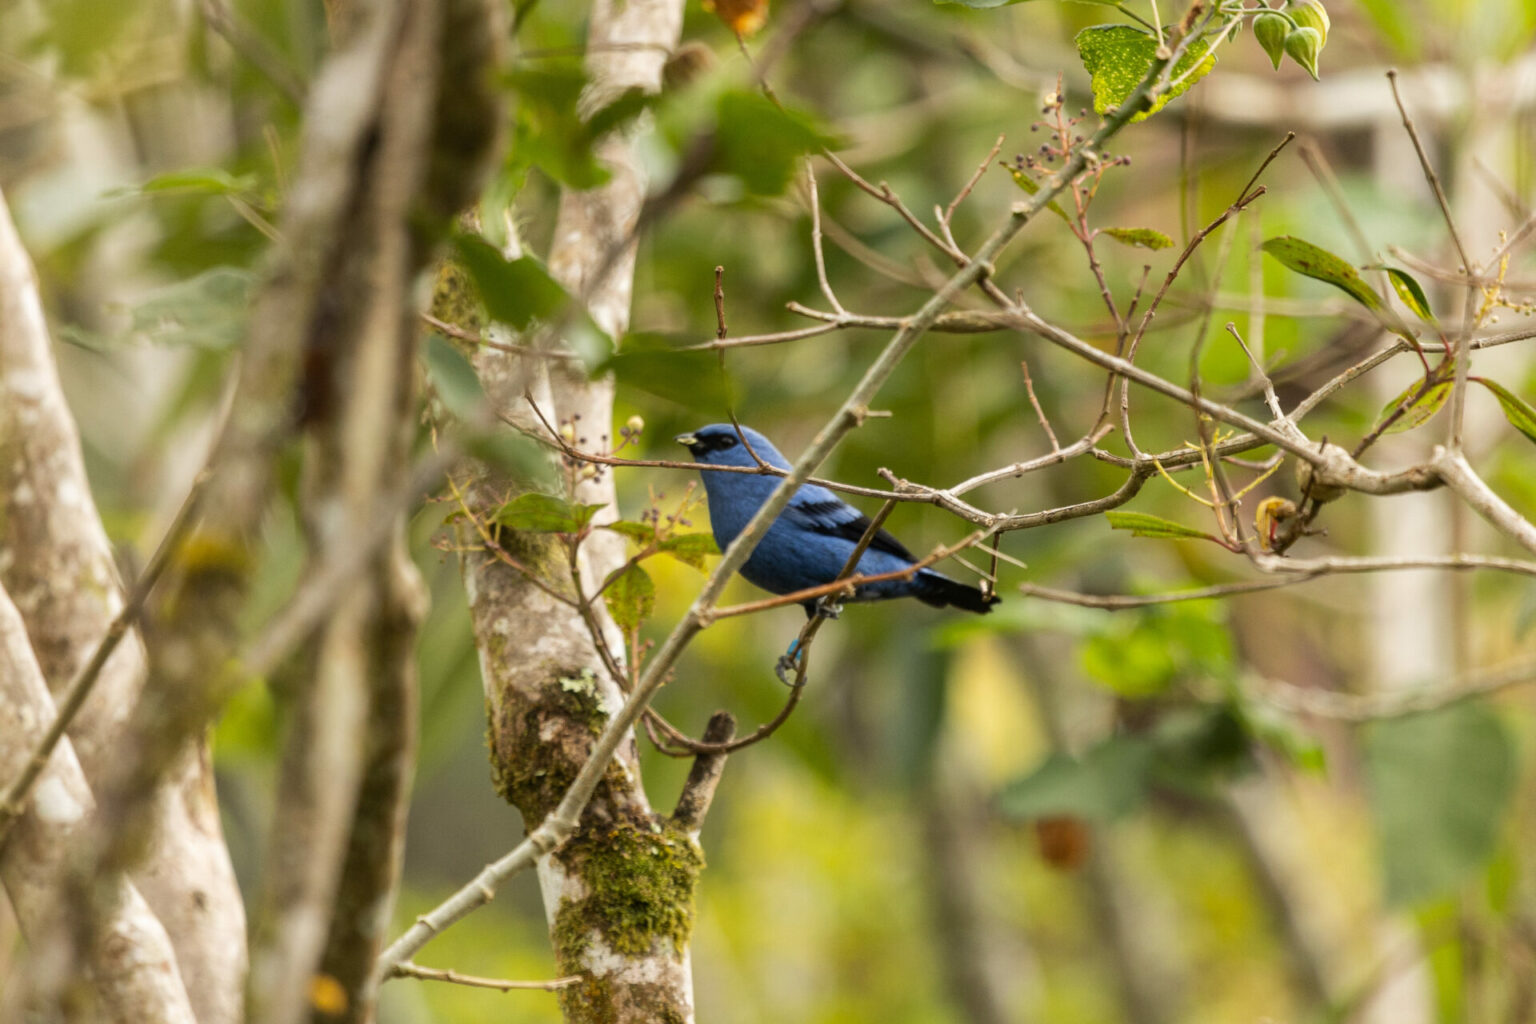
639, 889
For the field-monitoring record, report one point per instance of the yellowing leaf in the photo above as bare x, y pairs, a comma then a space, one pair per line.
690, 548
1420, 410
1144, 237
744, 17
1031, 186
1519, 413
1412, 295
1321, 265
1119, 57
630, 596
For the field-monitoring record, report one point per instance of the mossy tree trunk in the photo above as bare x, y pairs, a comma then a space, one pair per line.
619, 895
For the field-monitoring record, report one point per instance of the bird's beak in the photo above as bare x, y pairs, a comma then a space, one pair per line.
686, 440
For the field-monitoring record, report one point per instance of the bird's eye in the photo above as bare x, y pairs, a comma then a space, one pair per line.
728, 441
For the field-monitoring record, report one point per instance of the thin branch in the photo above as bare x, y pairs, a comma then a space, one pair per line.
948, 215
1349, 707
750, 340
1121, 602
720, 329
1429, 173
845, 584
410, 969
684, 745
1457, 474
1034, 401
254, 49
480, 340
699, 788
816, 250
1294, 571
1461, 356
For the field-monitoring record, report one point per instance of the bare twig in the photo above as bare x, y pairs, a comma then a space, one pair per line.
1429, 173
415, 970
254, 49
1034, 401
814, 201
1121, 602
1461, 356
1349, 707
481, 341
846, 583
699, 788
720, 328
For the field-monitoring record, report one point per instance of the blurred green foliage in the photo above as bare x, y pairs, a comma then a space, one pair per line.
146, 162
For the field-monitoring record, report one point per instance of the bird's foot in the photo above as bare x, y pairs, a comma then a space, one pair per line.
791, 665
829, 608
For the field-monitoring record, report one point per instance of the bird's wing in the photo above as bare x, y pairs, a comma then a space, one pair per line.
836, 518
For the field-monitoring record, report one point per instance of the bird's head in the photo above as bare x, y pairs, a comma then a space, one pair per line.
719, 444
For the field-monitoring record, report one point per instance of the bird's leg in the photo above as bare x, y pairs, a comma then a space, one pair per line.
828, 607
790, 664
792, 661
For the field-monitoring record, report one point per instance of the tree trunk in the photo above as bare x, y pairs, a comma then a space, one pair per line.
619, 894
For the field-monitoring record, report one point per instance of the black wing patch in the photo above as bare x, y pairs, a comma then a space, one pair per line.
839, 519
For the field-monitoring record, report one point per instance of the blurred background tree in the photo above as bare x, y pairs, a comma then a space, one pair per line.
1206, 810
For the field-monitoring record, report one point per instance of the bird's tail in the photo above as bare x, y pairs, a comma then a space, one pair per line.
938, 590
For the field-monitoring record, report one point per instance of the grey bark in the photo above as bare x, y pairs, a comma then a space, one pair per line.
57, 563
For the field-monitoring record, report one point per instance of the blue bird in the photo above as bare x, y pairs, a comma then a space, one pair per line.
810, 542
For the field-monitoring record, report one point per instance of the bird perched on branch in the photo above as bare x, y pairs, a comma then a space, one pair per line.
811, 540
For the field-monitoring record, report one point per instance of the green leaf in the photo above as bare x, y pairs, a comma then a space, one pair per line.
630, 596
1143, 525
211, 181
1119, 57
1321, 265
651, 364
1141, 653
1440, 785
1188, 749
453, 378
1420, 411
642, 533
544, 513
760, 143
1394, 26
1144, 237
1107, 782
1031, 186
514, 454
1412, 295
1198, 747
206, 311
690, 548
630, 105
1519, 413
549, 133
515, 292
1135, 663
